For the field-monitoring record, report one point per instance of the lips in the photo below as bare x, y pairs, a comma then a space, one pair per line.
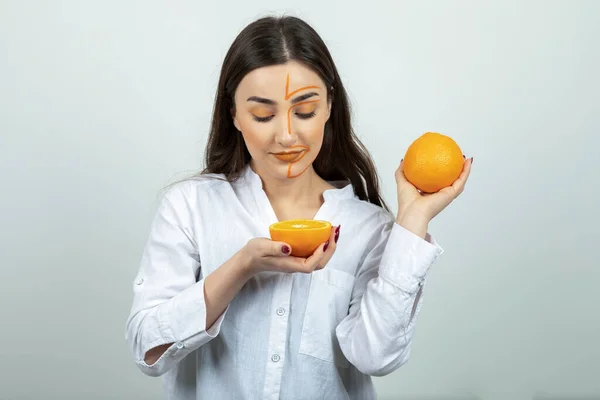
289, 156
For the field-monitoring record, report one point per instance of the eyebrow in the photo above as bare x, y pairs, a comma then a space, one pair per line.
270, 102
304, 97
261, 100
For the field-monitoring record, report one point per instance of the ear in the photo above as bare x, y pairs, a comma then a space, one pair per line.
236, 123
329, 103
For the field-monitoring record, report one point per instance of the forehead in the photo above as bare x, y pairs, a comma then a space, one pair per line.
271, 81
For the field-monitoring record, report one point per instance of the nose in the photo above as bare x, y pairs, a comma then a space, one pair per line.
286, 135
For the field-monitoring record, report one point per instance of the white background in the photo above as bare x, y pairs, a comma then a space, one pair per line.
104, 103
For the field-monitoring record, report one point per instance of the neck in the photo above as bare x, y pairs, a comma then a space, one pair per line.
292, 190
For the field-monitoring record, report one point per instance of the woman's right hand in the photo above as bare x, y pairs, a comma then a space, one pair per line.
264, 254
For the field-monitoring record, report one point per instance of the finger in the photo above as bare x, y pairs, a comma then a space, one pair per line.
300, 264
316, 260
400, 178
403, 184
459, 184
275, 249
331, 247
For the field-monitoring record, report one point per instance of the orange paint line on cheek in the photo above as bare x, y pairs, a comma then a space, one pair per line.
289, 173
289, 113
295, 176
289, 121
301, 157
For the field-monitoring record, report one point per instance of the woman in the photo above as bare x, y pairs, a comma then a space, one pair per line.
222, 312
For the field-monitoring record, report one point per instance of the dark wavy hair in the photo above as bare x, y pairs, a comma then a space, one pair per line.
277, 40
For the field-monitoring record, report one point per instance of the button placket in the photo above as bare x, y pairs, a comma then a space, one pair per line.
277, 336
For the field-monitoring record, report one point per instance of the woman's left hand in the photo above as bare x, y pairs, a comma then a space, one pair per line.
425, 206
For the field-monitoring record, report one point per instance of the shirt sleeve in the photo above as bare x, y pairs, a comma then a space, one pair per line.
376, 335
168, 299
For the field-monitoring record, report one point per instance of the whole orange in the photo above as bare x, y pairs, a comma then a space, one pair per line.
304, 235
432, 162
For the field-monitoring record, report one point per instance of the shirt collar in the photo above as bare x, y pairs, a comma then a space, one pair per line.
343, 188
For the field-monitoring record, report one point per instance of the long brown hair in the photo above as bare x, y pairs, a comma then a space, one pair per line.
277, 40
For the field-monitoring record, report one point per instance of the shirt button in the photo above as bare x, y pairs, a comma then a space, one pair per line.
180, 345
139, 281
280, 311
275, 358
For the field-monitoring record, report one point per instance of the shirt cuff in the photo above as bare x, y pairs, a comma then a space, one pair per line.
407, 258
185, 318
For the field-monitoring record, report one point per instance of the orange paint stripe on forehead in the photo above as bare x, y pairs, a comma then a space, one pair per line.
287, 88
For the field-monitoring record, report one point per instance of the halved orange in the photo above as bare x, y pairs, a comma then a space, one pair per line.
304, 235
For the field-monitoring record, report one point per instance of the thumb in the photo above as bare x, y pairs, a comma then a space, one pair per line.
279, 249
400, 178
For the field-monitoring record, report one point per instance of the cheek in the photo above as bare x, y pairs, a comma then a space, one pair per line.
314, 130
254, 139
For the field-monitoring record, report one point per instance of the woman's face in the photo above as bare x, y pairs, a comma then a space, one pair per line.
281, 111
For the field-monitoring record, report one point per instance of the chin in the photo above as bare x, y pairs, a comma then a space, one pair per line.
297, 170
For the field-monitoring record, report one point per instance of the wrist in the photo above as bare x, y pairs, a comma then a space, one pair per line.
415, 223
244, 265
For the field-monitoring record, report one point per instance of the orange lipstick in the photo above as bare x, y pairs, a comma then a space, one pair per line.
290, 156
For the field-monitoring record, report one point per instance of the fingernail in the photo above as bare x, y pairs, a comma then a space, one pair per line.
326, 245
337, 233
285, 249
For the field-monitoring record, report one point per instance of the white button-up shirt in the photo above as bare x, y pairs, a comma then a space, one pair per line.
284, 336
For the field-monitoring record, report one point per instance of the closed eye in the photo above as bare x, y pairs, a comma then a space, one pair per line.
263, 119
306, 109
305, 115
